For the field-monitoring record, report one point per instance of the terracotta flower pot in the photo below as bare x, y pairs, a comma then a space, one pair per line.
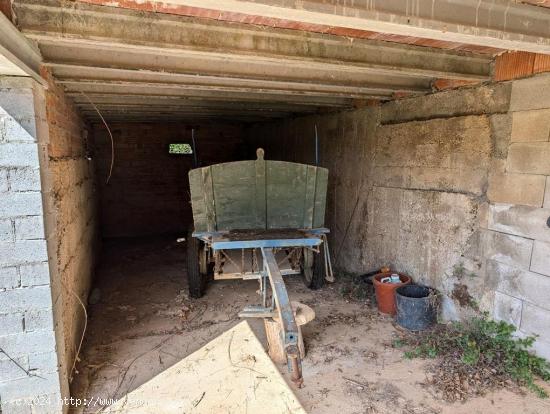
385, 292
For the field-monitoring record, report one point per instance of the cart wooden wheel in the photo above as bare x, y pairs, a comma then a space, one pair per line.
195, 278
203, 261
313, 268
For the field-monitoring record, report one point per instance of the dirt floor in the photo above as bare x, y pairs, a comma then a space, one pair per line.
142, 322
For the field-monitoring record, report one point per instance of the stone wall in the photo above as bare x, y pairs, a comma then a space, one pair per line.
448, 187
28, 359
148, 192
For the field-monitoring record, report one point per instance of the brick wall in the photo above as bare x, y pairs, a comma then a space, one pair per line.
71, 219
451, 188
518, 235
148, 193
26, 308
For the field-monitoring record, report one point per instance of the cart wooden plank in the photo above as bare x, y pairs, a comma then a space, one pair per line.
258, 194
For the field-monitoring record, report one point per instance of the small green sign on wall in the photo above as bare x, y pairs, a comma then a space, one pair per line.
178, 148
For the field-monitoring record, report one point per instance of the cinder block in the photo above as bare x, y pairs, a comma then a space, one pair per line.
505, 248
529, 158
43, 363
29, 387
27, 343
25, 299
3, 180
17, 102
6, 230
542, 348
19, 407
535, 321
38, 320
9, 279
11, 323
522, 221
522, 189
9, 370
521, 284
531, 126
20, 129
24, 251
540, 263
507, 308
16, 84
35, 274
25, 179
531, 93
19, 154
20, 204
48, 404
29, 228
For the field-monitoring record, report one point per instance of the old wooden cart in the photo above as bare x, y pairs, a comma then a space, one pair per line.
260, 220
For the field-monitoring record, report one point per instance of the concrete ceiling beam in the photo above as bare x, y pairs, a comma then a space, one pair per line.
499, 24
91, 53
114, 119
160, 108
53, 21
18, 57
235, 97
206, 96
69, 72
166, 104
115, 114
166, 89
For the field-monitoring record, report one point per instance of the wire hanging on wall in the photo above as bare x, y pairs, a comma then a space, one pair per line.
110, 134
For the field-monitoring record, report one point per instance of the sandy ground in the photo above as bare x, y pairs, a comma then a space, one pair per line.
144, 322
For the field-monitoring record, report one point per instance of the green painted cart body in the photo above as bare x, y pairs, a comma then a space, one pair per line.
256, 195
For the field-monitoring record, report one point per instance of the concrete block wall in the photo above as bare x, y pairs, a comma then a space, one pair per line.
148, 187
451, 187
518, 254
29, 366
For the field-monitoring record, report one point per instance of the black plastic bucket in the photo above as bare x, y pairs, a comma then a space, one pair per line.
416, 307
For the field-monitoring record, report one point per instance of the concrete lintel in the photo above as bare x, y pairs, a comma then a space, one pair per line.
498, 24
196, 105
208, 96
71, 73
166, 89
22, 57
100, 99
